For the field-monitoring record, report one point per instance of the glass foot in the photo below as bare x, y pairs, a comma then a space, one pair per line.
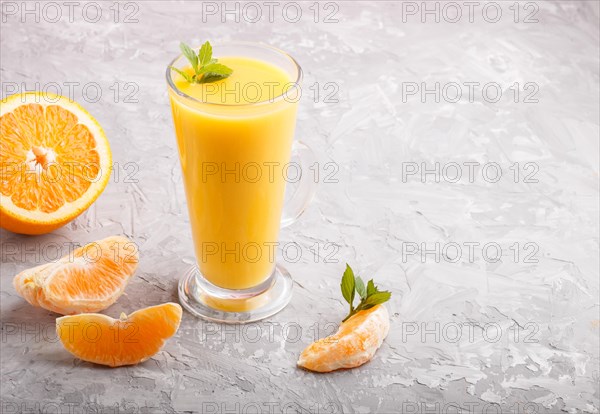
209, 302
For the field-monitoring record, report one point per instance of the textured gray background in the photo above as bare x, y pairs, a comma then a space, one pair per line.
529, 324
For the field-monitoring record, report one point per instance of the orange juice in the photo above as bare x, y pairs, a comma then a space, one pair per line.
235, 139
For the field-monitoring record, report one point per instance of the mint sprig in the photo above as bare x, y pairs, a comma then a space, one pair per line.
206, 68
369, 295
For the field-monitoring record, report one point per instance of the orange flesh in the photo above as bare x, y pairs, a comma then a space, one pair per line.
116, 342
354, 344
100, 272
90, 279
47, 158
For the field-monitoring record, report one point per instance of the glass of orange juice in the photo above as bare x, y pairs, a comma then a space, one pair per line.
235, 139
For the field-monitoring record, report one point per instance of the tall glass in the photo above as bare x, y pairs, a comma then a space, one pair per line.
235, 158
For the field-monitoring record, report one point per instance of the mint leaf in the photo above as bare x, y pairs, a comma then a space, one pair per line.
371, 289
370, 295
378, 298
214, 72
206, 68
211, 77
216, 69
205, 54
347, 285
360, 287
182, 73
190, 55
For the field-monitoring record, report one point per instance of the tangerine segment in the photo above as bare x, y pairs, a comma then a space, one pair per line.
132, 339
354, 344
54, 162
89, 279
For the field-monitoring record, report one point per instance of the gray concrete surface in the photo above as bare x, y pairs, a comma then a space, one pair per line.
494, 275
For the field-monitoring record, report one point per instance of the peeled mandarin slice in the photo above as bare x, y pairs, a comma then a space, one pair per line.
132, 339
54, 162
89, 279
352, 345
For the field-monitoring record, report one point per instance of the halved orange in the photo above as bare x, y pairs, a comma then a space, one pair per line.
354, 344
54, 162
89, 279
98, 338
